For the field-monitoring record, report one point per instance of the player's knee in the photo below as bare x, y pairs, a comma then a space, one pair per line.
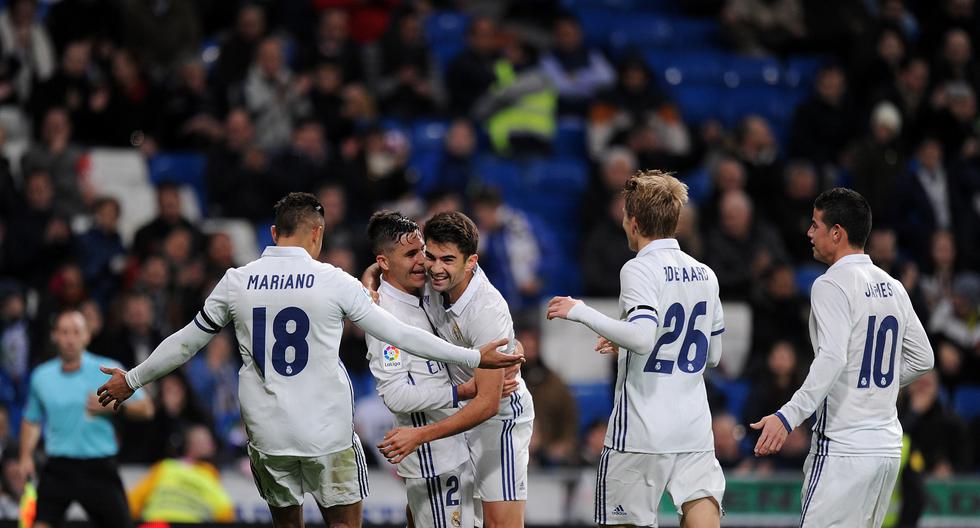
701, 513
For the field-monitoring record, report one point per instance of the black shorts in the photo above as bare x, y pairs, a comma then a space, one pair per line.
93, 482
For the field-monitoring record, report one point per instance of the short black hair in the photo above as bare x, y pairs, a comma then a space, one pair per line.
387, 228
453, 227
847, 208
295, 209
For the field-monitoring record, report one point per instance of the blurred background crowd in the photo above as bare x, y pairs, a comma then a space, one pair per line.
529, 115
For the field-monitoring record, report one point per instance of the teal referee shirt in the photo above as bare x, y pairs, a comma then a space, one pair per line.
57, 398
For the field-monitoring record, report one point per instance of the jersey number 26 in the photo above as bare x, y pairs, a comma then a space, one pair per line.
674, 318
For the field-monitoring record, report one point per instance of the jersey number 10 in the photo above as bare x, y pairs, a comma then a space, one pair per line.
283, 339
674, 318
874, 351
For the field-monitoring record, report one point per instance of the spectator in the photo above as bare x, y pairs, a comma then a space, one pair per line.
213, 376
954, 317
237, 172
578, 72
793, 212
338, 230
38, 239
954, 123
742, 248
824, 124
163, 494
78, 435
101, 253
926, 199
139, 333
161, 33
274, 95
878, 164
553, 441
472, 73
64, 291
15, 343
593, 443
407, 88
688, 233
177, 410
191, 110
95, 21
327, 102
154, 281
759, 154
376, 172
727, 435
129, 116
934, 430
95, 321
779, 314
605, 251
27, 43
509, 251
758, 26
149, 238
303, 165
727, 174
635, 99
957, 62
57, 155
73, 87
519, 110
909, 93
333, 43
456, 172
238, 47
220, 256
937, 282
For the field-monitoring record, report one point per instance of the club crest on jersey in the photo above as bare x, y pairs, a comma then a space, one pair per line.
456, 520
457, 333
391, 358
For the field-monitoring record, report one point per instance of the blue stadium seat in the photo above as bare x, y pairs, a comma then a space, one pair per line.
743, 71
428, 134
805, 275
425, 165
181, 168
736, 393
966, 402
801, 70
263, 236
502, 174
570, 138
446, 33
673, 68
594, 401
698, 185
698, 103
563, 176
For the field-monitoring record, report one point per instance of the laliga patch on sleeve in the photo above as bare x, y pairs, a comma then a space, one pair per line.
391, 358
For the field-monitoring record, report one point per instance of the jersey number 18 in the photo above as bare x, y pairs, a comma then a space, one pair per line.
283, 339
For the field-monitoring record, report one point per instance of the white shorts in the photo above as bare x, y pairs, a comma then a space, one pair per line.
629, 485
499, 451
445, 501
847, 491
333, 480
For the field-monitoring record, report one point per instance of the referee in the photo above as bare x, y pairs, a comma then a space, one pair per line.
79, 438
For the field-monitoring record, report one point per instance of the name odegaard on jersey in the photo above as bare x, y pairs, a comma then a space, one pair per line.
679, 274
280, 282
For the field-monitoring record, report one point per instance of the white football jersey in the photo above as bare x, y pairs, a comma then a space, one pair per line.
418, 391
479, 316
660, 404
289, 311
867, 342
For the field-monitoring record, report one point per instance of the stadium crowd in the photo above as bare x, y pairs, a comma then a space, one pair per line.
492, 108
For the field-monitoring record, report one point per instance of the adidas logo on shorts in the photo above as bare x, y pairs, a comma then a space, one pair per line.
619, 510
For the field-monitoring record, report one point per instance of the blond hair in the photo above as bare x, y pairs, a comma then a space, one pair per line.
655, 199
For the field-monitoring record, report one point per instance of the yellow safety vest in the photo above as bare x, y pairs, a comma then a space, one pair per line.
533, 113
177, 491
